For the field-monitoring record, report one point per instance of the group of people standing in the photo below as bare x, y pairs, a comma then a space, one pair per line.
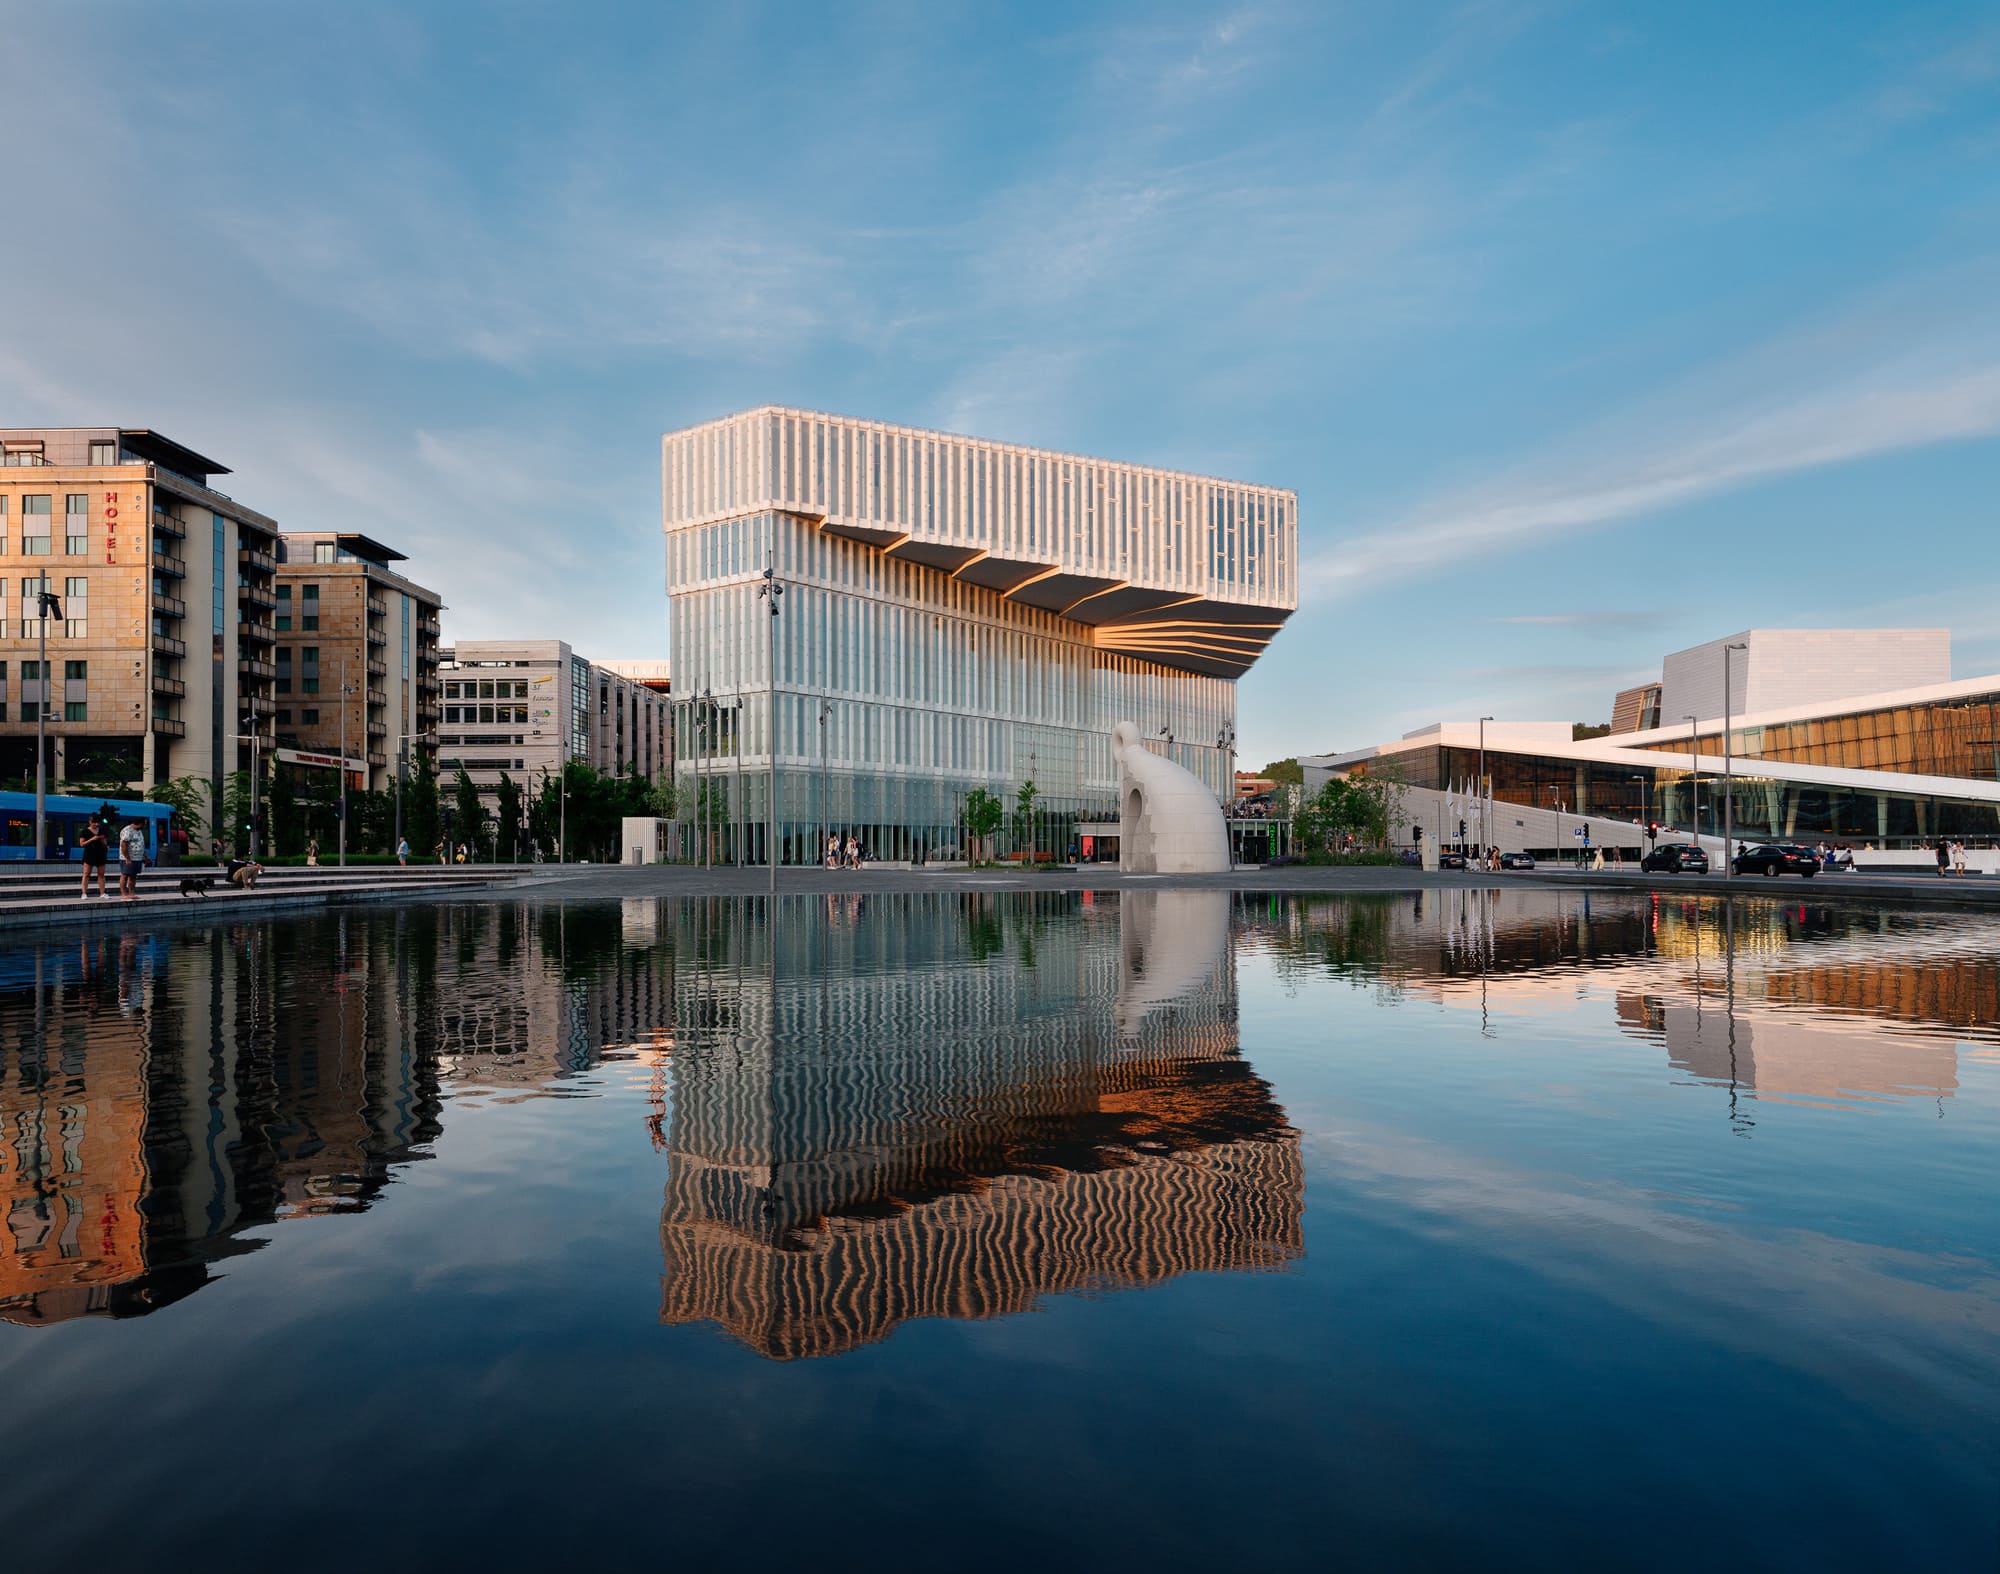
95, 845
843, 854
1950, 858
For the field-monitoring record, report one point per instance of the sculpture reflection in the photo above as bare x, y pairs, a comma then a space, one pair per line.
980, 1127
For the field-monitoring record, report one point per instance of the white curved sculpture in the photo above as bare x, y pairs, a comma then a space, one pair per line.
1171, 946
1168, 821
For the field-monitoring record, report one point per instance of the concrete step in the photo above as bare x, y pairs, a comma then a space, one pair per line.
29, 909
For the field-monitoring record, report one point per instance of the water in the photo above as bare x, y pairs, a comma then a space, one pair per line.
1507, 1229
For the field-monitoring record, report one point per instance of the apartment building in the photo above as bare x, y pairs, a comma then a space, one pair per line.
166, 639
357, 660
522, 707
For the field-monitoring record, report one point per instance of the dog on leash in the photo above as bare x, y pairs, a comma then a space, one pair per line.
197, 885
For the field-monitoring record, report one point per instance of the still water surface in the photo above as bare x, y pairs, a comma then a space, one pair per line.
1507, 1229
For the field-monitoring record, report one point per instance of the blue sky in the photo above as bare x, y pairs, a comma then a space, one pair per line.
1584, 332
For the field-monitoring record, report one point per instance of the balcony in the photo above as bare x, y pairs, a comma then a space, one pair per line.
377, 637
167, 645
168, 727
251, 667
377, 757
377, 668
376, 696
377, 607
162, 684
169, 606
167, 563
168, 525
378, 729
256, 634
257, 596
259, 562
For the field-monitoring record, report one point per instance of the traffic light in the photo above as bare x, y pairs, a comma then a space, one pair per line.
1461, 830
1416, 833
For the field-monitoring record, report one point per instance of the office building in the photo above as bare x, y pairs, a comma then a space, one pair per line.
164, 647
522, 707
954, 614
357, 660
1889, 768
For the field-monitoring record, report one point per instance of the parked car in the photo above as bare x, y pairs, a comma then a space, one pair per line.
1451, 860
1675, 858
1516, 861
1775, 858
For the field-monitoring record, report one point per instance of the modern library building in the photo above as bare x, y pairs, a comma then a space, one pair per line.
884, 619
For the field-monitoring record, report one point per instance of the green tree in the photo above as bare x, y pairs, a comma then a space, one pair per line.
468, 813
187, 797
282, 814
423, 814
234, 828
1026, 821
1579, 730
509, 802
983, 815
663, 799
1285, 773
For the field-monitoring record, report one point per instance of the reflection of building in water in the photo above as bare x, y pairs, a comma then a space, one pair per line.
1022, 1101
1776, 997
160, 1096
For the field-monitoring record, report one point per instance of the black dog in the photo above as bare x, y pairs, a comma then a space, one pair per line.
197, 885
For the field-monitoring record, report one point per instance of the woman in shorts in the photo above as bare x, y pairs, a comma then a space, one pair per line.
96, 848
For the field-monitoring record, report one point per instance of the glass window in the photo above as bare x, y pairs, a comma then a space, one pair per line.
76, 671
309, 718
75, 710
322, 551
35, 524
76, 523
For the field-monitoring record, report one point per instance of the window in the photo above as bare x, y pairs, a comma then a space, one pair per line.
284, 718
3, 526
322, 551
520, 691
76, 523
76, 671
75, 710
309, 718
76, 605
104, 453
451, 691
35, 525
451, 713
309, 685
309, 608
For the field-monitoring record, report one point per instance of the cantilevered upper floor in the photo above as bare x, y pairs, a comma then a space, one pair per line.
1161, 564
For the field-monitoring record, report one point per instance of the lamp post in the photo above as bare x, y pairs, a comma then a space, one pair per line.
251, 735
51, 607
1728, 773
1485, 792
825, 784
1645, 798
1694, 779
770, 591
1225, 742
739, 823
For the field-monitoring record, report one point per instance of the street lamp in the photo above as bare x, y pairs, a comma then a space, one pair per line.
253, 737
1645, 798
1728, 773
346, 693
1694, 779
1225, 741
51, 607
1485, 791
825, 784
770, 591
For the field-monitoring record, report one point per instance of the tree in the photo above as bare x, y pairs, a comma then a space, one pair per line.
186, 796
234, 826
509, 801
281, 806
1025, 819
983, 814
422, 813
663, 799
1285, 773
1579, 730
468, 813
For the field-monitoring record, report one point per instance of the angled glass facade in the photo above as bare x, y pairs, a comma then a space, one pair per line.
954, 615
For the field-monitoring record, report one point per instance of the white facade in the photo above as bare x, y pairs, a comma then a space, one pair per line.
1786, 668
954, 614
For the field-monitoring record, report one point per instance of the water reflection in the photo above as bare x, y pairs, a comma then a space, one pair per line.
877, 1109
951, 1108
1778, 999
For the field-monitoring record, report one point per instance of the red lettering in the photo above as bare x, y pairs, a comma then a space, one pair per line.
110, 497
110, 512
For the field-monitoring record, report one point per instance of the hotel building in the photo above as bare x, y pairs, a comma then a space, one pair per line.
165, 644
357, 659
954, 614
1858, 735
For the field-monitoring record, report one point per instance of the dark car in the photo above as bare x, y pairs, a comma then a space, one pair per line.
1516, 861
1451, 860
1675, 858
1775, 858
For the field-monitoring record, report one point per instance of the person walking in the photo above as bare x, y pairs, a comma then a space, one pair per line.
215, 850
312, 853
95, 845
1958, 858
403, 851
1943, 859
131, 859
443, 853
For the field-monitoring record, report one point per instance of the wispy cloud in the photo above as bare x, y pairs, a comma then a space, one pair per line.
1851, 390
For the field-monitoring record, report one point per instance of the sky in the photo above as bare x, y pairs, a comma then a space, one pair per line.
1583, 332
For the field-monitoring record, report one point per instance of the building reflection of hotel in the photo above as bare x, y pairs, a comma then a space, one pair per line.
1783, 999
955, 1108
161, 1095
